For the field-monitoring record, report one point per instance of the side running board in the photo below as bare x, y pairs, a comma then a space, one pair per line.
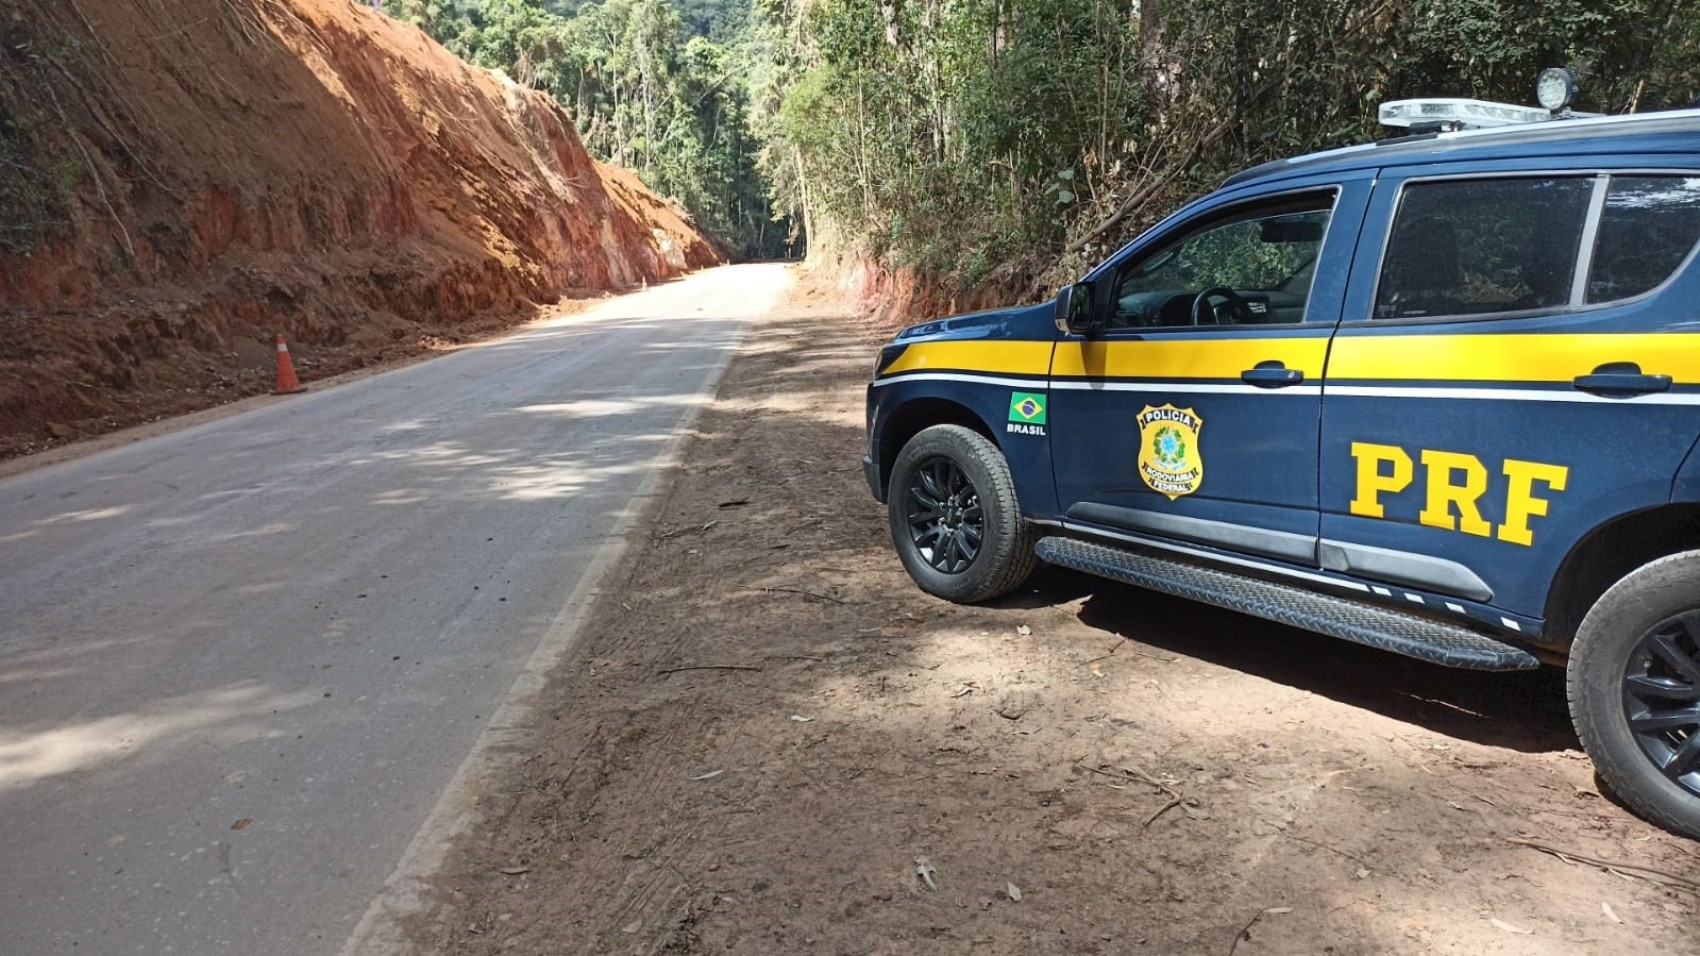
1420, 637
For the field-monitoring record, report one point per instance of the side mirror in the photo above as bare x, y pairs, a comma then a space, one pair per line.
1074, 309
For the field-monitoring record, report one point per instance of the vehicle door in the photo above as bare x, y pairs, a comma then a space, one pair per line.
1508, 375
1191, 411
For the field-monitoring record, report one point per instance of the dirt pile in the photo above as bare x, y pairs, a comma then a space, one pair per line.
179, 182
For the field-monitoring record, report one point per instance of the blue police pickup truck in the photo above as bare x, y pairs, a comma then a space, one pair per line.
1439, 394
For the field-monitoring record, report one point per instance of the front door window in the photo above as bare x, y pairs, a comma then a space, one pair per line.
1253, 269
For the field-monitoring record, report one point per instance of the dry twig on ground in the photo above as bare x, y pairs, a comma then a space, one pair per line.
1140, 776
1648, 873
813, 594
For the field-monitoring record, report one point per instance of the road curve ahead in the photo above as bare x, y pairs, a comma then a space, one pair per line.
240, 662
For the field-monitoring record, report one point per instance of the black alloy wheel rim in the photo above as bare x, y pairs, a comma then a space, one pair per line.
1661, 698
946, 523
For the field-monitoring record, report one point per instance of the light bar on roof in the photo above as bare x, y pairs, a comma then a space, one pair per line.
1459, 113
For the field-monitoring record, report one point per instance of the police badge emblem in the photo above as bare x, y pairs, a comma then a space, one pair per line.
1169, 460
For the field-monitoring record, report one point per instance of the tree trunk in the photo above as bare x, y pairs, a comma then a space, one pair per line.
803, 194
1157, 69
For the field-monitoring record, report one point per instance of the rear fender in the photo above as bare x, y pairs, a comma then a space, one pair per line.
1686, 487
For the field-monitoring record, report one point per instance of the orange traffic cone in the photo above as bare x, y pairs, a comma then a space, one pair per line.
287, 383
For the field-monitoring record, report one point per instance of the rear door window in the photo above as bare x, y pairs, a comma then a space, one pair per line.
1648, 228
1482, 247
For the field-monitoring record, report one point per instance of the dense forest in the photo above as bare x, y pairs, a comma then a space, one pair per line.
1010, 143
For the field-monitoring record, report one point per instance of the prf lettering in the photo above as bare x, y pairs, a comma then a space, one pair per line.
1453, 483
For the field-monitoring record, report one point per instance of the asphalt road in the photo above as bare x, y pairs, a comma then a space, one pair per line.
240, 663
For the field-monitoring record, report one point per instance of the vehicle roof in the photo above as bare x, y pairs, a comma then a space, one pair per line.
1675, 131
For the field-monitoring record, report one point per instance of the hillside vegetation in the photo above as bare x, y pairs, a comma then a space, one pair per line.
959, 152
1000, 147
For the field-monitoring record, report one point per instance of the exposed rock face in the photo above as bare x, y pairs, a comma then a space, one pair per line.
184, 179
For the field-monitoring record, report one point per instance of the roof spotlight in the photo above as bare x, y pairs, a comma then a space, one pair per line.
1555, 89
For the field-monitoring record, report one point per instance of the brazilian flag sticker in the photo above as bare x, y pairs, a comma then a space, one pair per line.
1027, 409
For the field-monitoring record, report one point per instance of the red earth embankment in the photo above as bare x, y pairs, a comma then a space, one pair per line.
897, 296
181, 181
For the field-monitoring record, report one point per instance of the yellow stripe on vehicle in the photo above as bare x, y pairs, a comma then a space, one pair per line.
1188, 358
1001, 356
1533, 357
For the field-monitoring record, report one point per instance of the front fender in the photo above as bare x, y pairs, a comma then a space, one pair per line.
898, 409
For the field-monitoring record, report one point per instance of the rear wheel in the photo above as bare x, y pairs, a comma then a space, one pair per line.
954, 516
1634, 682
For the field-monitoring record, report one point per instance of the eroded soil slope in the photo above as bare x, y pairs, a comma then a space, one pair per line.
766, 740
181, 181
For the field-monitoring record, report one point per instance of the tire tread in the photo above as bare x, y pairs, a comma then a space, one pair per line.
1613, 623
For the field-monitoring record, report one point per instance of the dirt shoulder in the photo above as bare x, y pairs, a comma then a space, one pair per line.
764, 732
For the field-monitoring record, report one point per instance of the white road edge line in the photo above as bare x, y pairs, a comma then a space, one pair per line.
379, 931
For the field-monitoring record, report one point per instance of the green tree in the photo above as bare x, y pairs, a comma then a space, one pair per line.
1016, 141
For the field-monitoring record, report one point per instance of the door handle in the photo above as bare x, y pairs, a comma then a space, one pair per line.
1620, 380
1272, 375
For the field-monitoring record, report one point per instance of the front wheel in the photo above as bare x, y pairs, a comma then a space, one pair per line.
1634, 683
954, 516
